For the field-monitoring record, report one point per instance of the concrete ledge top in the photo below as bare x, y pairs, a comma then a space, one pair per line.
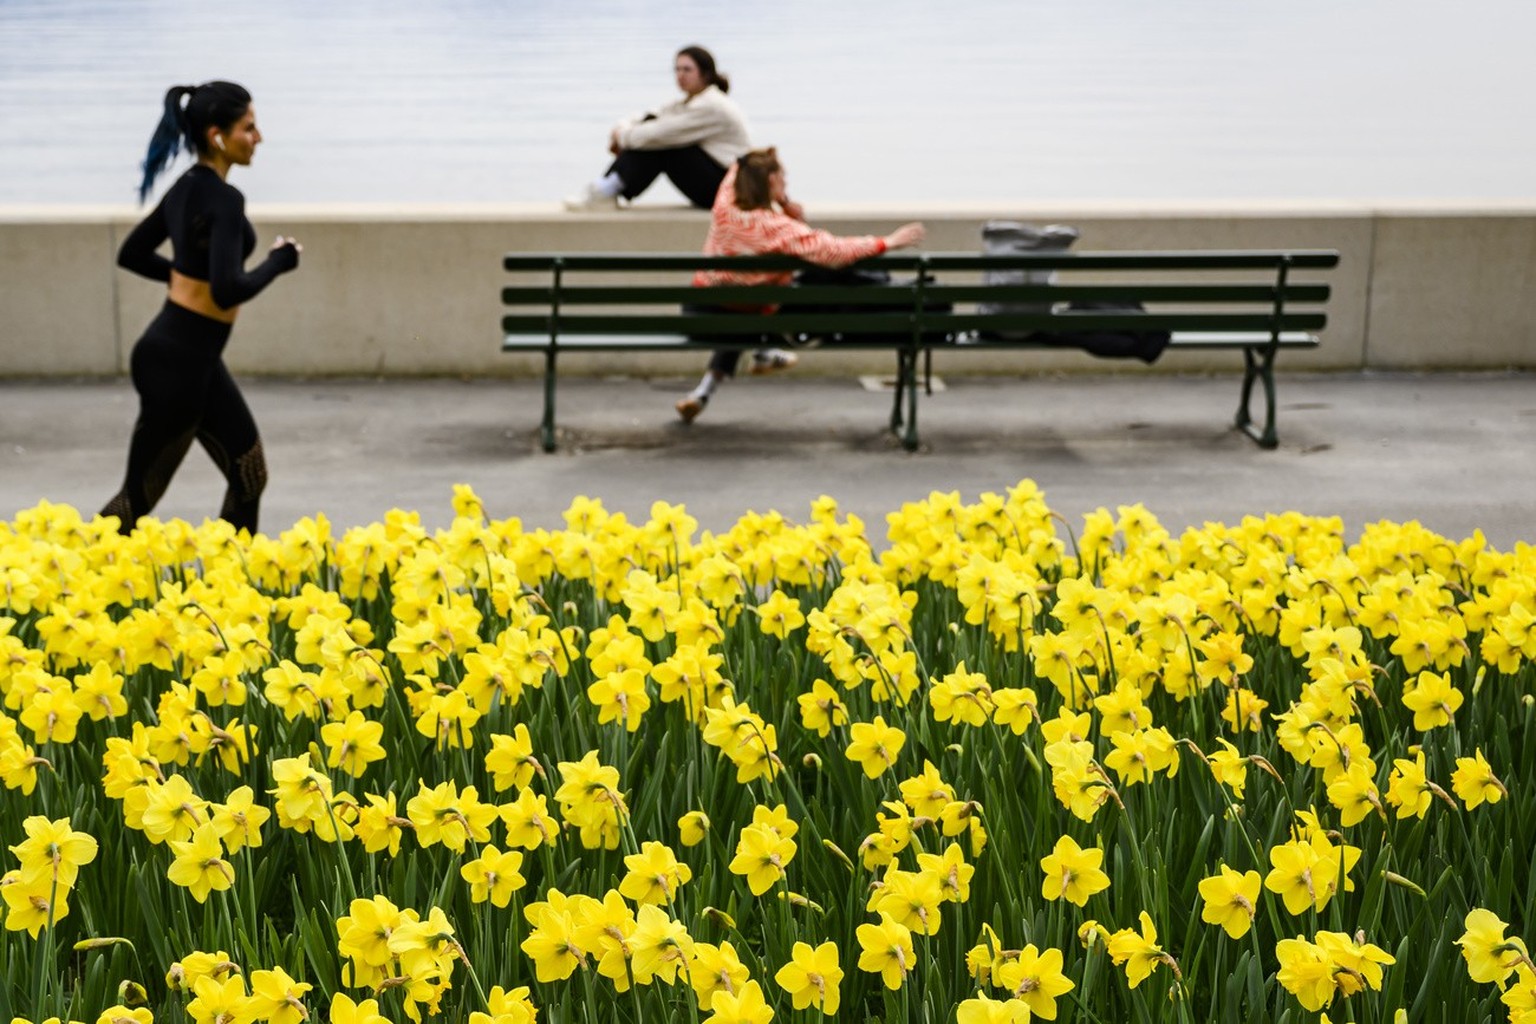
57, 213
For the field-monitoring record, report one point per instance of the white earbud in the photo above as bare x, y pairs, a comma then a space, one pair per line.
218, 140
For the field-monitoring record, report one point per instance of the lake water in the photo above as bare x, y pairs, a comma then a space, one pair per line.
878, 100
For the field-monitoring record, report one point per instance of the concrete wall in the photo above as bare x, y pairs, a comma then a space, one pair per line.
397, 290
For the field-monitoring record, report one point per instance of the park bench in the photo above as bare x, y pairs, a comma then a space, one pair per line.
616, 303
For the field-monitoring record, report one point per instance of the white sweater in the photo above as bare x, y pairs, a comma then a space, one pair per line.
708, 119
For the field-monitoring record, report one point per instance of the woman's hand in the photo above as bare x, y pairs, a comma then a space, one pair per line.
283, 240
905, 236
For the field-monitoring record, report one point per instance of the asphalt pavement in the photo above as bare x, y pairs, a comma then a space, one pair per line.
1457, 452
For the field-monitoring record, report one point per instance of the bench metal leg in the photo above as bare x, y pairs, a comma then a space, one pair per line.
1259, 364
899, 389
547, 426
909, 437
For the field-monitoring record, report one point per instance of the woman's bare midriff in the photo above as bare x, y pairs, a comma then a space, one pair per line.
190, 293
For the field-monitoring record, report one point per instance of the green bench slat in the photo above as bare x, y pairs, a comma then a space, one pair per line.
1205, 260
876, 295
675, 342
1211, 260
1223, 341
661, 343
901, 323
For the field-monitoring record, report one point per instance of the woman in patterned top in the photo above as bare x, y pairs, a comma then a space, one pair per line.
753, 215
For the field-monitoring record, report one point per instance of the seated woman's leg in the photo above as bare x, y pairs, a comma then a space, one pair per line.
689, 168
695, 174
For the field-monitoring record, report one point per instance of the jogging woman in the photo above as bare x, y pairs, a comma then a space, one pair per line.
185, 390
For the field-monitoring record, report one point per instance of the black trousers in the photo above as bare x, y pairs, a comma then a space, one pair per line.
186, 394
692, 170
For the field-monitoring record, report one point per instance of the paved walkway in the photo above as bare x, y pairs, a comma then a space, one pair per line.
1456, 452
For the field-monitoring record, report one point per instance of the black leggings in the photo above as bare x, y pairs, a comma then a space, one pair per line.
692, 170
186, 393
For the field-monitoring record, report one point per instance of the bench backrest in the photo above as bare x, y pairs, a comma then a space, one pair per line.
641, 294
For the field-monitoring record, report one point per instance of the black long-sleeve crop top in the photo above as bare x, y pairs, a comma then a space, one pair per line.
204, 217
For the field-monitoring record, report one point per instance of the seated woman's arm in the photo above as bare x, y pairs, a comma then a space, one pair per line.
796, 238
675, 127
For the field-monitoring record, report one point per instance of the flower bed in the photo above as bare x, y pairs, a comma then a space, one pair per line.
994, 770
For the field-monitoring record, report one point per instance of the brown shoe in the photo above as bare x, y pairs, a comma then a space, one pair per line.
689, 408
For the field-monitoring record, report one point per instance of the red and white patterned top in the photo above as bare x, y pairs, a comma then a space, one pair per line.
737, 232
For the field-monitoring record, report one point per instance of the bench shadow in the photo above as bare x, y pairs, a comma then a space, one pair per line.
717, 439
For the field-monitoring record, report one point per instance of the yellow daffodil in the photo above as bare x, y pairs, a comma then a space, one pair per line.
746, 1007
221, 1002
344, 1011
875, 746
887, 951
1474, 782
761, 856
1230, 900
659, 947
53, 851
353, 744
1072, 873
510, 759
982, 1009
822, 710
692, 827
715, 969
654, 875
1357, 964
1035, 979
493, 876
199, 865
1137, 951
780, 615
1306, 972
1490, 956
277, 998
812, 977
1433, 700
551, 943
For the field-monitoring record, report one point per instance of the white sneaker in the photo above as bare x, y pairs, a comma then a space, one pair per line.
771, 360
591, 201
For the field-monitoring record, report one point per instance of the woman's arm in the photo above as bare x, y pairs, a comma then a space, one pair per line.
138, 250
796, 238
678, 125
228, 280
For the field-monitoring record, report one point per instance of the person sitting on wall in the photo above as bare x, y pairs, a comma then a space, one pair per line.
753, 215
691, 140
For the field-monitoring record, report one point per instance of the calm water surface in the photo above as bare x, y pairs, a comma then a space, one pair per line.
991, 100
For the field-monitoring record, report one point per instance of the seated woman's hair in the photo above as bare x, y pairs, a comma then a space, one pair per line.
753, 169
706, 63
210, 105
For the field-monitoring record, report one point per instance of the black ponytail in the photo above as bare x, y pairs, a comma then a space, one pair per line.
212, 104
167, 138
